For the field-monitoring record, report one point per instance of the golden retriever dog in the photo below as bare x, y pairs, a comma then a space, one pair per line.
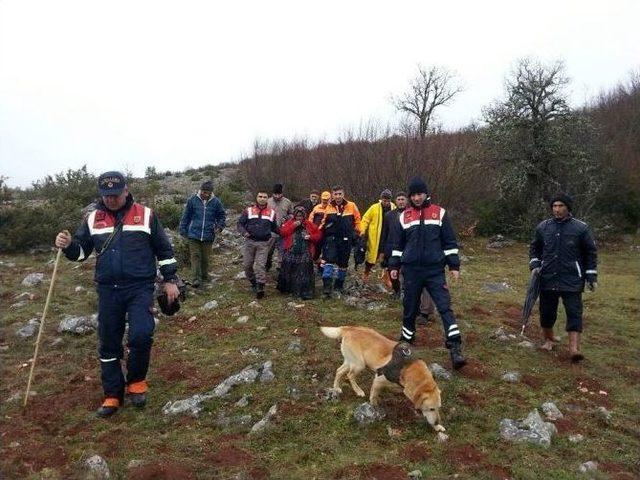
362, 348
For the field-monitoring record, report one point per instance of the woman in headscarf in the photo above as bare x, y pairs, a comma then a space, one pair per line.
299, 237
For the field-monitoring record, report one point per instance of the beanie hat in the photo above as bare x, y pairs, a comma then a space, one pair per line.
562, 197
417, 185
207, 186
277, 188
386, 193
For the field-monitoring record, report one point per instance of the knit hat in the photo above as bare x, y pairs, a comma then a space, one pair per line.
299, 208
207, 186
325, 195
386, 193
277, 188
417, 185
562, 197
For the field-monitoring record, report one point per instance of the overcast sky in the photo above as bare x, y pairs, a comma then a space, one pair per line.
130, 84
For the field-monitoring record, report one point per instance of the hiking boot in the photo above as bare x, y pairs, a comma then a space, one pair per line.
254, 286
327, 287
259, 290
109, 406
338, 286
455, 350
574, 347
137, 393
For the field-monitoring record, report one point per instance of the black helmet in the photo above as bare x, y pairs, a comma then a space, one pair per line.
163, 302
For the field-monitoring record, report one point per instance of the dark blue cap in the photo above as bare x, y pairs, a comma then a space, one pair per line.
111, 183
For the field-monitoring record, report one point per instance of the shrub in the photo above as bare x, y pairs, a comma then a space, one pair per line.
169, 214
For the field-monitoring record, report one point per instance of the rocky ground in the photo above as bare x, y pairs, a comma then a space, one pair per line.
240, 388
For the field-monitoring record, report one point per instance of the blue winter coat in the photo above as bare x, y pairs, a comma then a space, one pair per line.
200, 218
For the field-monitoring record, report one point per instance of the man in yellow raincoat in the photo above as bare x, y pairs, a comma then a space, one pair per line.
371, 226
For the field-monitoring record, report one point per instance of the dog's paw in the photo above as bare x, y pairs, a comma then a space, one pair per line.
360, 393
439, 428
442, 437
338, 390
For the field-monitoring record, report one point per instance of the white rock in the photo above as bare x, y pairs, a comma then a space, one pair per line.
551, 411
604, 413
415, 475
440, 372
589, 466
240, 276
243, 319
511, 377
577, 438
526, 344
265, 421
96, 468
210, 305
443, 437
33, 279
79, 325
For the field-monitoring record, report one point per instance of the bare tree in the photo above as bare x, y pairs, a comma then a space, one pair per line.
430, 89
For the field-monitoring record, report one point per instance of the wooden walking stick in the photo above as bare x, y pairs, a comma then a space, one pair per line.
41, 329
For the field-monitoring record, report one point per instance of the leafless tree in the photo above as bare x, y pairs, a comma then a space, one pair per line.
431, 88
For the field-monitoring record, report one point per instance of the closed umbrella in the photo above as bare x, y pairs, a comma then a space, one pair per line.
533, 292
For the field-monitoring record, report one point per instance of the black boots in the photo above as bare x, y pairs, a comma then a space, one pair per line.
259, 290
455, 350
338, 286
109, 406
327, 287
254, 286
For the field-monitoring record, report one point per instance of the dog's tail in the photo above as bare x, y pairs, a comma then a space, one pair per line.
332, 332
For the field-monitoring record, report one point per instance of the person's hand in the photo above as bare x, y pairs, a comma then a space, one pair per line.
63, 239
393, 273
592, 286
455, 275
536, 271
172, 291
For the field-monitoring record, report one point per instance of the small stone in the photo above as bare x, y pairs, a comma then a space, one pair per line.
265, 421
135, 463
29, 329
439, 372
415, 475
551, 411
295, 346
577, 438
240, 276
243, 402
243, 319
496, 287
330, 395
267, 374
250, 351
511, 377
294, 392
394, 432
443, 437
79, 325
33, 279
589, 466
14, 444
366, 414
210, 305
18, 304
79, 289
526, 344
604, 413
96, 468
253, 304
192, 319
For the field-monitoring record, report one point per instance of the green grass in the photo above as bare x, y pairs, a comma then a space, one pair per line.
311, 438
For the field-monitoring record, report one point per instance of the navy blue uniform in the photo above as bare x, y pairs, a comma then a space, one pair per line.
566, 253
423, 242
127, 244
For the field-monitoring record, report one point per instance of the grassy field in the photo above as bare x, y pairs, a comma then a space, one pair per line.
311, 438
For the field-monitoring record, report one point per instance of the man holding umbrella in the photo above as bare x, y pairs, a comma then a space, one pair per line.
564, 254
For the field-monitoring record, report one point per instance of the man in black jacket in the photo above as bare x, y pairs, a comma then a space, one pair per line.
127, 238
565, 254
256, 224
423, 243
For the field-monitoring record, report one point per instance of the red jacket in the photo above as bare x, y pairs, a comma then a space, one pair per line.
288, 228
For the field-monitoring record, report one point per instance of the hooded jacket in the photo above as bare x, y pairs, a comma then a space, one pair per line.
371, 224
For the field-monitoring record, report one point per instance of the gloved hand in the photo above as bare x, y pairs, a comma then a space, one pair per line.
393, 273
592, 282
535, 264
535, 271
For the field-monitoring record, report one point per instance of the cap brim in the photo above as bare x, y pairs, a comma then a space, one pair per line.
112, 191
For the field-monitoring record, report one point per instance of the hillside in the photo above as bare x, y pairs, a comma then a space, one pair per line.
312, 433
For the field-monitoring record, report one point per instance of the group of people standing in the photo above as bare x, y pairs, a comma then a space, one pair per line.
413, 239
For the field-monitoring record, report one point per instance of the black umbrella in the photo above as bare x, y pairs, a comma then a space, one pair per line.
530, 300
359, 251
